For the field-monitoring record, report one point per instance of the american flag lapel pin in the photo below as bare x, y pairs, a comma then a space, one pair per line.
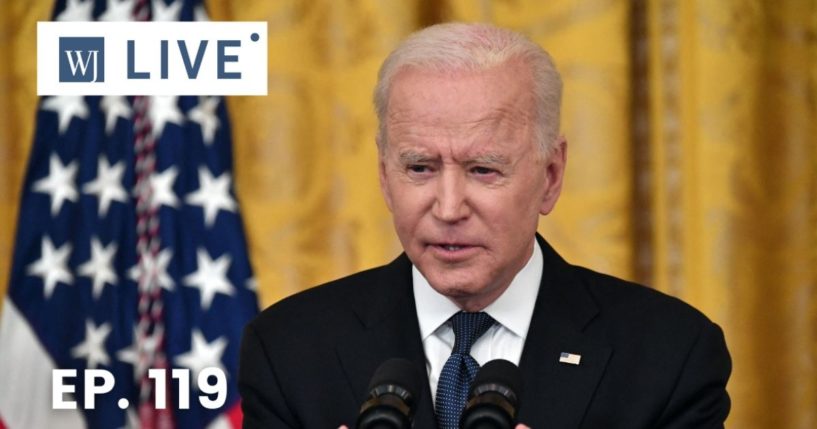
570, 358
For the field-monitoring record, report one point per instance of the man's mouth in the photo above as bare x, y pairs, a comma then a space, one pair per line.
453, 252
452, 246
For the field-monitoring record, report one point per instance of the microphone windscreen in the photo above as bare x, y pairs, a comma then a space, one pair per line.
393, 392
400, 372
494, 397
498, 372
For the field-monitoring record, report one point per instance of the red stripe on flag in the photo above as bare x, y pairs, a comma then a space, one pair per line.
2, 426
234, 415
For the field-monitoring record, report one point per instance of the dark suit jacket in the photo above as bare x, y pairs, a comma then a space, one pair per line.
647, 360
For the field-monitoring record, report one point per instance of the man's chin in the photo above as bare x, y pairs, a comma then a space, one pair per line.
453, 289
468, 296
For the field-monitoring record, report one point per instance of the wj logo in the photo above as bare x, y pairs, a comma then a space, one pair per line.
82, 59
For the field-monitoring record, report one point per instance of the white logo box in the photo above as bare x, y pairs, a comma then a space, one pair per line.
240, 47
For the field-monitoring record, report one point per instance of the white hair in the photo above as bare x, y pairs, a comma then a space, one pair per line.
475, 47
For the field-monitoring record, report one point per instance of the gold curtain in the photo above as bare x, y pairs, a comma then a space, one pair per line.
692, 129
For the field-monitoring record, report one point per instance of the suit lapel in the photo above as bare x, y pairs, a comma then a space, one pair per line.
389, 329
556, 394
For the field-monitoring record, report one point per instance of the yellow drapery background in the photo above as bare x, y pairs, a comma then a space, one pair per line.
692, 129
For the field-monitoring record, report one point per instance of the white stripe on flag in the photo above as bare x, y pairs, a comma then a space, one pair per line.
221, 422
25, 378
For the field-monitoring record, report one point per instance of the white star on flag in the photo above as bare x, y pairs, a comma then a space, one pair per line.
66, 106
205, 115
117, 10
130, 354
164, 109
107, 185
155, 266
59, 183
99, 267
200, 14
52, 266
115, 107
202, 355
166, 12
210, 277
161, 185
92, 349
213, 195
77, 10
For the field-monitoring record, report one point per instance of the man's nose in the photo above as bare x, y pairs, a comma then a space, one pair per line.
451, 203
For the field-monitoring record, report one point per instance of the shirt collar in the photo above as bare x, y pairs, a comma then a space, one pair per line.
513, 309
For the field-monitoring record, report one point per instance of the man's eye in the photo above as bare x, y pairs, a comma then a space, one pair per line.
418, 168
482, 171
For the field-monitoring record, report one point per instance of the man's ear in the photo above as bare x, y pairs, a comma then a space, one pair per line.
554, 174
381, 171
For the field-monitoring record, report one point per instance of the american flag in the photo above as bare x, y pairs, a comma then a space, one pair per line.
129, 254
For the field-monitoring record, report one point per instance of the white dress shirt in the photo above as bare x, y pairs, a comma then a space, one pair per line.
512, 312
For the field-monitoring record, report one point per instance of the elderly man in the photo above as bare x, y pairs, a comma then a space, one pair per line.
469, 157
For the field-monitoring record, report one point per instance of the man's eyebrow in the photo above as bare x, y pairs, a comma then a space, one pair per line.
490, 158
412, 157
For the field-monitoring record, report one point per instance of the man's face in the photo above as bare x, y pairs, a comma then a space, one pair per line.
464, 179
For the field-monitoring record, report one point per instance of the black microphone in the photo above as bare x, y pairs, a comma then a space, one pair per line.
393, 393
494, 397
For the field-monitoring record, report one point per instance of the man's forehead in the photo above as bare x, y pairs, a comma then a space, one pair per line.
478, 107
493, 133
506, 84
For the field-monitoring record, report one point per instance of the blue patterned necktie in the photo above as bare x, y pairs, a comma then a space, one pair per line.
460, 368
